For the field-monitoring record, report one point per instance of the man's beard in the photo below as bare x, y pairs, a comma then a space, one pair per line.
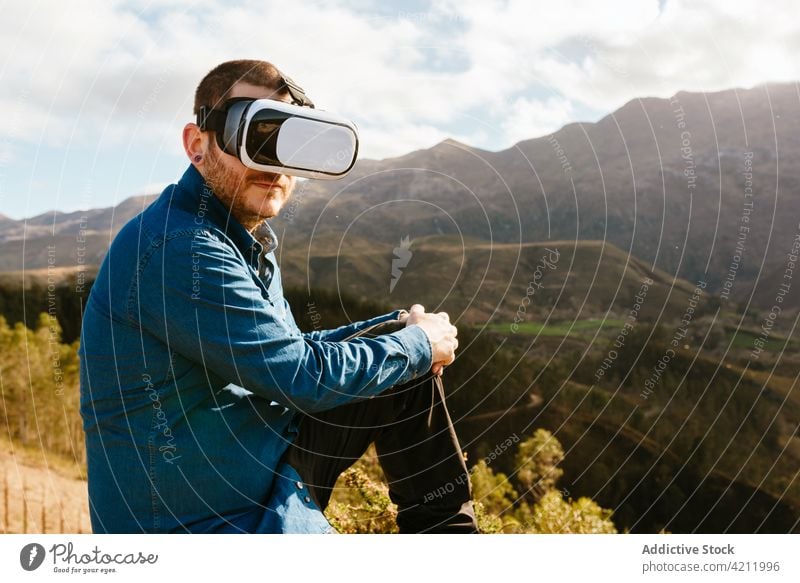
222, 181
228, 186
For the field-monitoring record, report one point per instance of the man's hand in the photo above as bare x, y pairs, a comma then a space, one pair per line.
441, 334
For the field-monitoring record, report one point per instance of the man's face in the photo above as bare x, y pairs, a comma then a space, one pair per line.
250, 195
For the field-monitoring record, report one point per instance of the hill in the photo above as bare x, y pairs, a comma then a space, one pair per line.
483, 282
48, 493
672, 181
65, 239
478, 283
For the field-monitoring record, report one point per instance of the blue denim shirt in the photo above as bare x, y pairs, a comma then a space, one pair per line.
193, 374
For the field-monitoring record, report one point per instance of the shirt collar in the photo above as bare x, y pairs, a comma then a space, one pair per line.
210, 209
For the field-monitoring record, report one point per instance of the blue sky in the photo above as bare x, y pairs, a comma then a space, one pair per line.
94, 94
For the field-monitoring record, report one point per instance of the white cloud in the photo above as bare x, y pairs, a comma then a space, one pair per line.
528, 118
377, 143
486, 70
695, 46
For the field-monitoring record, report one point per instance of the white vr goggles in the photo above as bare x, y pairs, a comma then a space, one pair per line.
275, 136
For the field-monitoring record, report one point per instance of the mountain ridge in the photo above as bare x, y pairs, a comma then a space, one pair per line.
623, 178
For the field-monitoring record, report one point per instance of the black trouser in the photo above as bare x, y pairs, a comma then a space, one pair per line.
417, 449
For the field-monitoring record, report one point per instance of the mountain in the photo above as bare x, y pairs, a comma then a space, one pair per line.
678, 182
700, 186
66, 239
477, 281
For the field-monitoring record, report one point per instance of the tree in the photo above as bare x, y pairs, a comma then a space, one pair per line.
537, 463
554, 515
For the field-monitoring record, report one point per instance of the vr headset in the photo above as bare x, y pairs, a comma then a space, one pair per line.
283, 138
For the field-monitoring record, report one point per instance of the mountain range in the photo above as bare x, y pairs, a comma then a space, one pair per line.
700, 187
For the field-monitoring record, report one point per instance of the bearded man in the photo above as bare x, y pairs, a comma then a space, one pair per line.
205, 408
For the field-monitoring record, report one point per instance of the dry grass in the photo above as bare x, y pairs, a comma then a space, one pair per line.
40, 493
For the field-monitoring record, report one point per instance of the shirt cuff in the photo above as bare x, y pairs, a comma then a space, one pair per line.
396, 314
382, 318
419, 350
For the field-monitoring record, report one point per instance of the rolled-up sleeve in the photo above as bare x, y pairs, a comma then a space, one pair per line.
195, 293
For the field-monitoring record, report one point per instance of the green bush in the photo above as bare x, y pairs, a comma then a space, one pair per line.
361, 504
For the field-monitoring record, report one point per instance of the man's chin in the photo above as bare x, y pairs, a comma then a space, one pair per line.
271, 208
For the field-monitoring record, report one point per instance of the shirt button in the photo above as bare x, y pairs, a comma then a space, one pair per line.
307, 499
299, 485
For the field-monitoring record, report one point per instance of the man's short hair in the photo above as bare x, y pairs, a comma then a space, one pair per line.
217, 84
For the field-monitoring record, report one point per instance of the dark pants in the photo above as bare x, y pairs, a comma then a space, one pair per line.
417, 449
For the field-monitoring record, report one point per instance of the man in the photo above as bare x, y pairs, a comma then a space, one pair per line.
206, 409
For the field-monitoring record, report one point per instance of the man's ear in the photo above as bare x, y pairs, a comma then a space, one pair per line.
195, 143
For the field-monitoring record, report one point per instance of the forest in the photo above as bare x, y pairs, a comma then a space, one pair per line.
552, 445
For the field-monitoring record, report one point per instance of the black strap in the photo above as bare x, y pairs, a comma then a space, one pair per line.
299, 96
211, 119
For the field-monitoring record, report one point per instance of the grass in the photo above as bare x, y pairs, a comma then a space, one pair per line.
775, 342
37, 457
40, 493
573, 328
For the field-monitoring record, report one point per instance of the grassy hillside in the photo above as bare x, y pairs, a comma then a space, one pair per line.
713, 446
41, 491
481, 282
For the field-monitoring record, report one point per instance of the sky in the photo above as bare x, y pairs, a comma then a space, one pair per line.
94, 95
